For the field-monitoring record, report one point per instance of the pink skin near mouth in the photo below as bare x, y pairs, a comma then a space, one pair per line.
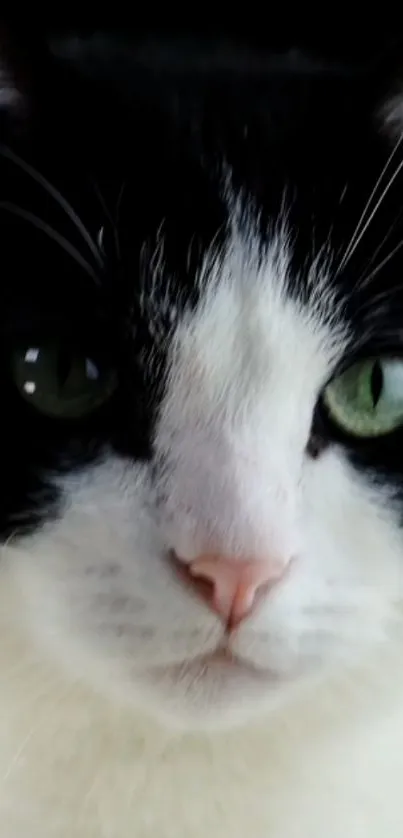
240, 592
231, 587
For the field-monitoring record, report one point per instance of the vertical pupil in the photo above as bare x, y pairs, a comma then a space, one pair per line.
376, 382
63, 367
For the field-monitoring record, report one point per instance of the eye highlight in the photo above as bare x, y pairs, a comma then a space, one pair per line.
367, 400
60, 382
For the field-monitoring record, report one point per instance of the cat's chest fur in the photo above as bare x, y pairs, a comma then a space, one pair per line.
86, 774
76, 766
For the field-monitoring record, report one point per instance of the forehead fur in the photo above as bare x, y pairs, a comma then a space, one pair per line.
246, 315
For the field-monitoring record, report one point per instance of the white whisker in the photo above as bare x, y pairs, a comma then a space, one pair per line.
374, 211
380, 246
382, 264
20, 750
359, 232
58, 197
30, 217
16, 758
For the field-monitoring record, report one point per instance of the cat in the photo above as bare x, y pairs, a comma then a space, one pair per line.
201, 308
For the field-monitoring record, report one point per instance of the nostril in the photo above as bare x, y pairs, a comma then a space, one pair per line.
237, 584
230, 586
200, 585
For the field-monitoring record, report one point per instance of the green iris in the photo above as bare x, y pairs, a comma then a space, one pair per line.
367, 399
61, 383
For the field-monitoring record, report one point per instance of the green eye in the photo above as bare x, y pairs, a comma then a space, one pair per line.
367, 399
61, 383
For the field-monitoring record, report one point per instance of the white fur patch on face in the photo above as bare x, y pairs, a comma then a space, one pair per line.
230, 474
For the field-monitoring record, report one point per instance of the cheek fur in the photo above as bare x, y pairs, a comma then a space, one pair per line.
229, 470
99, 592
344, 593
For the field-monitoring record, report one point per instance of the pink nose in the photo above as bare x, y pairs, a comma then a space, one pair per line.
234, 585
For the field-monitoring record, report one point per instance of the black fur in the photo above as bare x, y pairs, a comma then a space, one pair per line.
138, 134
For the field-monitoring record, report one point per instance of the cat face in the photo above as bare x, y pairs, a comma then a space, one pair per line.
201, 353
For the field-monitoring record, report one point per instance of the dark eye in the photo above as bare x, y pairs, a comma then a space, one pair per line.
60, 382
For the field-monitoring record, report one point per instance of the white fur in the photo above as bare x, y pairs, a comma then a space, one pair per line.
99, 636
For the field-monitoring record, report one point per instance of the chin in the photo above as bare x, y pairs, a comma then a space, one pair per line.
216, 691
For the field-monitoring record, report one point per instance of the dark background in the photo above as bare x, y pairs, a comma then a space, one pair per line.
356, 32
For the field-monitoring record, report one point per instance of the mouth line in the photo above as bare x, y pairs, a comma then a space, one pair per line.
221, 658
225, 657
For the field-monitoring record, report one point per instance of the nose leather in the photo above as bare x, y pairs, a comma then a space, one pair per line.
235, 583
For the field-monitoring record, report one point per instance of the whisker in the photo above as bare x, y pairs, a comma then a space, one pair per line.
354, 241
57, 196
31, 218
375, 210
62, 697
382, 264
380, 246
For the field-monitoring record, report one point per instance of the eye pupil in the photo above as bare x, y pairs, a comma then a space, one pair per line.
63, 367
376, 383
61, 382
366, 400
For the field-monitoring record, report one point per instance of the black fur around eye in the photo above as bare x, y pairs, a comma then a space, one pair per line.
60, 382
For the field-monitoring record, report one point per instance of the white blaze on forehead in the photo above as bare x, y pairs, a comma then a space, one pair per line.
246, 371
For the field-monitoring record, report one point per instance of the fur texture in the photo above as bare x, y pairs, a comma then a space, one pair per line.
224, 234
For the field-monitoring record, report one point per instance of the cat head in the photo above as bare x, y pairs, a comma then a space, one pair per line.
201, 366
